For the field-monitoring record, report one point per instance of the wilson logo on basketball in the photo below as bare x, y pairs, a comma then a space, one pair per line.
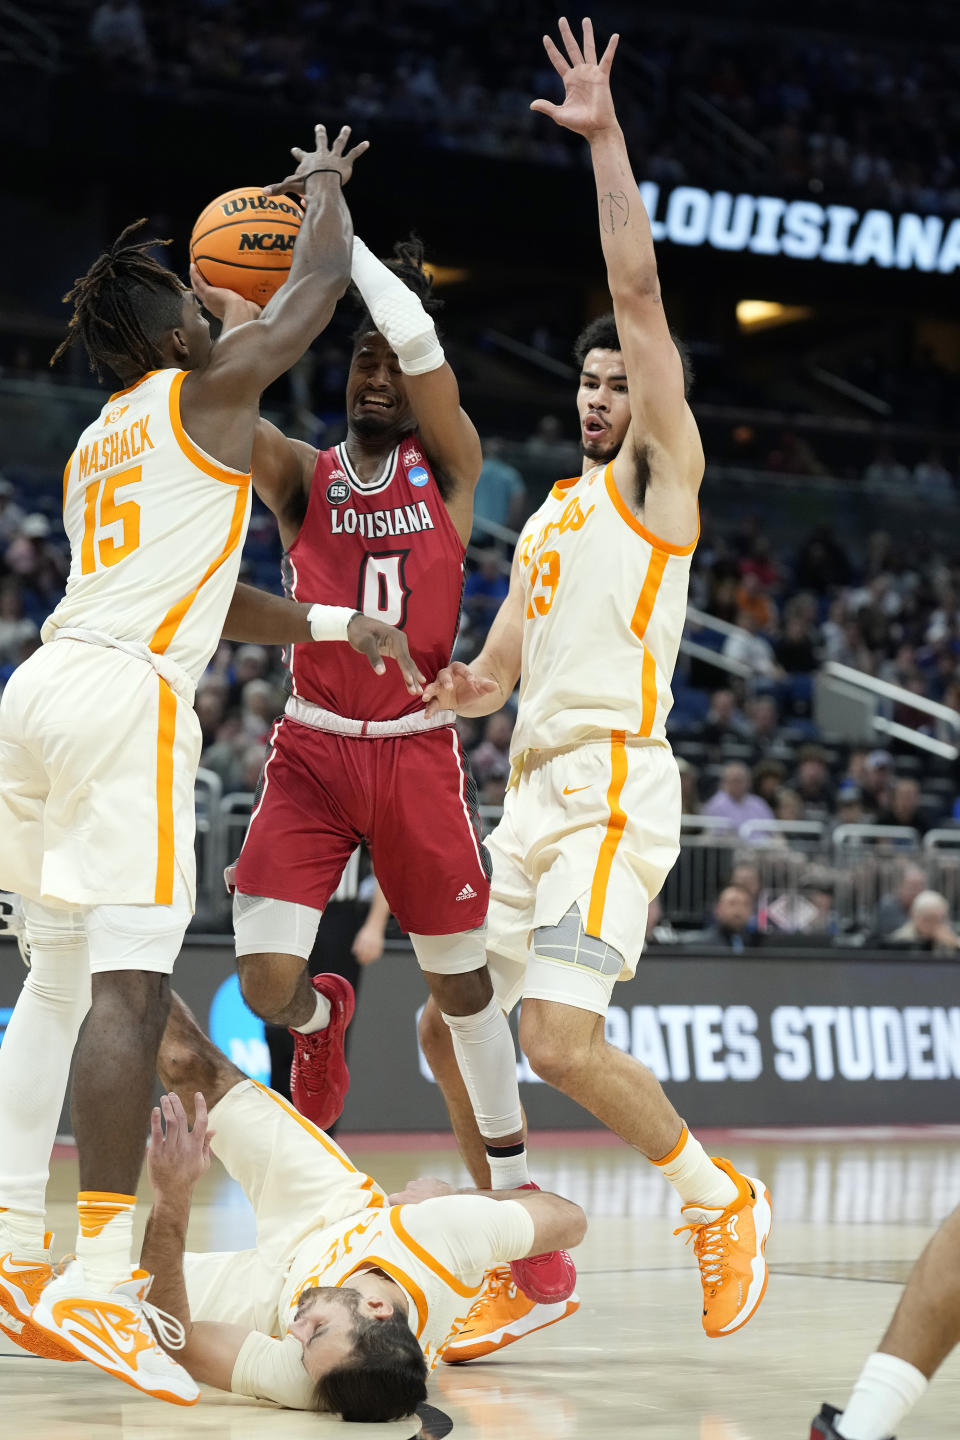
258, 203
267, 242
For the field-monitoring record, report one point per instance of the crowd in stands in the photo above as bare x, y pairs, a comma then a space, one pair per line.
749, 753
873, 120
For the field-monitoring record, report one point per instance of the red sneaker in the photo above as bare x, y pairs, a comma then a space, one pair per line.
318, 1076
547, 1279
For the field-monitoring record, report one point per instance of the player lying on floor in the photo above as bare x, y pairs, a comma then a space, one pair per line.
349, 1296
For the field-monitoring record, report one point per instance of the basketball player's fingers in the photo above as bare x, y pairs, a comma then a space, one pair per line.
559, 63
545, 107
292, 185
401, 652
156, 1126
341, 140
589, 43
320, 135
296, 152
570, 41
606, 59
368, 646
412, 678
357, 151
199, 1114
179, 1114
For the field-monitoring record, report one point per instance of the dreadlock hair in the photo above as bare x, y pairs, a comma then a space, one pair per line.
407, 263
122, 307
601, 334
385, 1377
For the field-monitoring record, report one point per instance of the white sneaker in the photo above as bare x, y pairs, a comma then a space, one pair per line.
12, 922
110, 1329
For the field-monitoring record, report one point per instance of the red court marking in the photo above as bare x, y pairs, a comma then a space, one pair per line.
602, 1139
65, 1149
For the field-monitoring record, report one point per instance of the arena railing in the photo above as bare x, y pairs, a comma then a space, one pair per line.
861, 864
864, 706
208, 805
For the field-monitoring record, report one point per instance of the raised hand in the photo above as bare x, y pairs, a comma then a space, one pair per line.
178, 1156
375, 639
587, 108
324, 157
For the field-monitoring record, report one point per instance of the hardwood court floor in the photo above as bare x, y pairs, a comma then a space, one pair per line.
851, 1212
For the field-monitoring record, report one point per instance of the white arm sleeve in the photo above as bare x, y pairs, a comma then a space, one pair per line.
397, 313
268, 1369
468, 1234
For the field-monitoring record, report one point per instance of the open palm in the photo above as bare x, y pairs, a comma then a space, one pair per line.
588, 105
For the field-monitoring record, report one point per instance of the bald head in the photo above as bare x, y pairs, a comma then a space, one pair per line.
929, 912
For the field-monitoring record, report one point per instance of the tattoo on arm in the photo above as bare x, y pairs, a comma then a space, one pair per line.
614, 210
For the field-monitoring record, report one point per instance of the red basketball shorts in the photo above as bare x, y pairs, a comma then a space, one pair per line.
410, 797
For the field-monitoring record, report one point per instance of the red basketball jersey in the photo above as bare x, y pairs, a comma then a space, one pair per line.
386, 547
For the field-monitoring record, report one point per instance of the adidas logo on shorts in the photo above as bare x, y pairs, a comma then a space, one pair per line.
467, 893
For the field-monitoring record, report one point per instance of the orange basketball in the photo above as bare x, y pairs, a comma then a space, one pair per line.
244, 239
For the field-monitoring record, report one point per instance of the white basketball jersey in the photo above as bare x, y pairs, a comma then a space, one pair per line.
604, 606
156, 528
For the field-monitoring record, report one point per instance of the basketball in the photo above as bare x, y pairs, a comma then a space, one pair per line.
244, 241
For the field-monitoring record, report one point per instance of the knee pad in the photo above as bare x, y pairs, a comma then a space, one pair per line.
262, 926
570, 967
569, 944
451, 954
59, 956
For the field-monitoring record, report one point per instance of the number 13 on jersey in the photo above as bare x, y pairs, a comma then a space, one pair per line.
544, 579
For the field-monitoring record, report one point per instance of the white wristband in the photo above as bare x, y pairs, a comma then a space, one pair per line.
397, 313
329, 622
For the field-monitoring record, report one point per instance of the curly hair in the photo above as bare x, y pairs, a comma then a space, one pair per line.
122, 307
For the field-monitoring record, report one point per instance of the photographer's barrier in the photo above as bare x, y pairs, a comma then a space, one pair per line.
760, 1038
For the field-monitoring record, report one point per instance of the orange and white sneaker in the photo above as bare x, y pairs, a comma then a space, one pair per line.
500, 1316
21, 1282
729, 1245
110, 1329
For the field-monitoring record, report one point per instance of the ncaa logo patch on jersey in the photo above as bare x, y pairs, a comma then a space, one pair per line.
418, 476
338, 491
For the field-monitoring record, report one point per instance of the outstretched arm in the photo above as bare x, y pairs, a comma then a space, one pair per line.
253, 356
660, 414
256, 617
558, 1223
487, 683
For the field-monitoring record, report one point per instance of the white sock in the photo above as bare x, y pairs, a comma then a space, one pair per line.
484, 1049
105, 1237
22, 1234
35, 1059
887, 1390
694, 1176
507, 1172
320, 1020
